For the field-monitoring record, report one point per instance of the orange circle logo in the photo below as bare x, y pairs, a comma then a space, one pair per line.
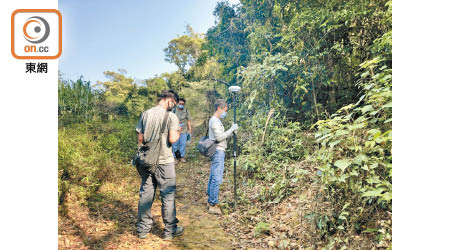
36, 29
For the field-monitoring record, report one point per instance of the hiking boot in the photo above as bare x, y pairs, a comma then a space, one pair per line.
214, 210
142, 235
183, 160
178, 232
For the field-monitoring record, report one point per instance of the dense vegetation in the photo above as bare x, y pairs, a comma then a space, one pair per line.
315, 111
324, 67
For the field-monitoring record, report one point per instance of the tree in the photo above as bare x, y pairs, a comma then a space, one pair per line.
174, 80
155, 86
184, 50
118, 86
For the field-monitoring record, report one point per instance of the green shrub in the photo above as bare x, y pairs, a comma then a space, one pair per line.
262, 228
272, 164
88, 155
354, 152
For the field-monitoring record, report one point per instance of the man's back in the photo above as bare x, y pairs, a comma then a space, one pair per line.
150, 125
149, 128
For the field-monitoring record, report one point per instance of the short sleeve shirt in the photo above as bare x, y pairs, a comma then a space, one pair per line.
150, 124
183, 116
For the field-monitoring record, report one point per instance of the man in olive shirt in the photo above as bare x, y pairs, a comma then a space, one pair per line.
186, 129
148, 129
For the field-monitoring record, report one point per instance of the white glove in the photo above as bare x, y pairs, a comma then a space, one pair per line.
234, 127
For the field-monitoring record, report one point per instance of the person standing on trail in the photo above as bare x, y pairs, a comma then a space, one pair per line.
148, 129
186, 131
217, 133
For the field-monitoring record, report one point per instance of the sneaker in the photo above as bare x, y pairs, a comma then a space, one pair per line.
214, 210
183, 160
178, 232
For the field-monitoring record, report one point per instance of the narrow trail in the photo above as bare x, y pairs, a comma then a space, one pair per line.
107, 219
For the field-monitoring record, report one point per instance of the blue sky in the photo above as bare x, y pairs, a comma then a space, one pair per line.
105, 35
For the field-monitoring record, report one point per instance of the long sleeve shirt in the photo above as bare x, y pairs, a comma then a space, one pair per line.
217, 133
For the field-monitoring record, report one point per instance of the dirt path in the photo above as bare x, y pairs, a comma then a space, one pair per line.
106, 219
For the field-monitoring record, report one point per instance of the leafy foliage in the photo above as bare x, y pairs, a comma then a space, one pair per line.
355, 150
321, 63
184, 50
92, 153
75, 99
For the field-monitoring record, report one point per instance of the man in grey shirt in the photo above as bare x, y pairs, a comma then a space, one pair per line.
186, 129
217, 133
148, 129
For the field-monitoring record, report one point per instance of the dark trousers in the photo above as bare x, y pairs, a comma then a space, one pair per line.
165, 179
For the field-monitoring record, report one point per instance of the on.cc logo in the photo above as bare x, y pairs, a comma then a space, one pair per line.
36, 34
36, 29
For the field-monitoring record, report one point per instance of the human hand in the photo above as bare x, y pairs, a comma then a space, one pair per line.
234, 127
